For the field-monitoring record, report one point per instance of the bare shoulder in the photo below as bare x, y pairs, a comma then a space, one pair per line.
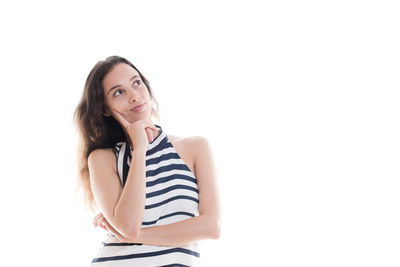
101, 153
102, 157
191, 149
192, 143
201, 146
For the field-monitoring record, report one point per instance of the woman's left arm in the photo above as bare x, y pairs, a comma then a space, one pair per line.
204, 226
174, 234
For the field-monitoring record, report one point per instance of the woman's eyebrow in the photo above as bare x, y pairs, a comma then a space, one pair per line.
118, 85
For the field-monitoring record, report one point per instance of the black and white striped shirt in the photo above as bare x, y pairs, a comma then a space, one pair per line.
171, 196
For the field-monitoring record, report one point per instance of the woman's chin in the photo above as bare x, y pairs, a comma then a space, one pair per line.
137, 118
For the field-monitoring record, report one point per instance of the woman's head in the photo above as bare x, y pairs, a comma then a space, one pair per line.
112, 84
126, 91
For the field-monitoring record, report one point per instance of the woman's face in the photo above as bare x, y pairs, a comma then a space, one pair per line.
124, 90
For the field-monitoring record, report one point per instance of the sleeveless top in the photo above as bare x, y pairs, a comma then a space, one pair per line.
171, 196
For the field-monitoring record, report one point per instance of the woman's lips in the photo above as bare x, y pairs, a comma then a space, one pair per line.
138, 108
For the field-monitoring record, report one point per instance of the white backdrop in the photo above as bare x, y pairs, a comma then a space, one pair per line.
299, 100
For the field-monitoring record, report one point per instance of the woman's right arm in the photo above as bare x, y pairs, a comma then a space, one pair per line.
122, 207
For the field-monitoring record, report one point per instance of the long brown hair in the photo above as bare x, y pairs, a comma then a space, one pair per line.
96, 130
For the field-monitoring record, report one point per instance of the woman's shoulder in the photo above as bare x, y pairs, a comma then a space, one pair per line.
102, 151
187, 140
191, 145
101, 156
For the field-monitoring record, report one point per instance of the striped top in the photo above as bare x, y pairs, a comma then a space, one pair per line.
171, 196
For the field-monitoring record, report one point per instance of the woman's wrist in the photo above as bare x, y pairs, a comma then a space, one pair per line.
139, 151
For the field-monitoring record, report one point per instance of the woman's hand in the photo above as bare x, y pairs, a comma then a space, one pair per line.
100, 221
139, 131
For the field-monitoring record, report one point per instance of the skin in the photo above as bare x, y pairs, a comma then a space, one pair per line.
123, 90
195, 152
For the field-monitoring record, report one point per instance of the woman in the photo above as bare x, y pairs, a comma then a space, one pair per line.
155, 194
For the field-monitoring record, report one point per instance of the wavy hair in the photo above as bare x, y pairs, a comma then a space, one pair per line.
96, 130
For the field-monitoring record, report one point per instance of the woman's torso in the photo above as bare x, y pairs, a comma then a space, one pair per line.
171, 196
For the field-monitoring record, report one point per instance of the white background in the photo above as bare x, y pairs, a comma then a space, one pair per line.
299, 99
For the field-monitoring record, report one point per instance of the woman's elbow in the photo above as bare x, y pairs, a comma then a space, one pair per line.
131, 234
216, 230
130, 231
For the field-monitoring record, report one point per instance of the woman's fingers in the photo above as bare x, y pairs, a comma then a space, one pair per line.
151, 125
97, 219
126, 123
147, 124
151, 128
103, 225
149, 135
121, 118
100, 221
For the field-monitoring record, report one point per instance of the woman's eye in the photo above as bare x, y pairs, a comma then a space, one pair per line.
137, 82
116, 91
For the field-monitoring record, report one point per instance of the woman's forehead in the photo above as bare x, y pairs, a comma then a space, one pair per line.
118, 74
122, 69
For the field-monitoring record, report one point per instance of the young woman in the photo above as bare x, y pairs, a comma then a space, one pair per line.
155, 194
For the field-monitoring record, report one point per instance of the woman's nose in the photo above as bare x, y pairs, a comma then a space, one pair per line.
133, 96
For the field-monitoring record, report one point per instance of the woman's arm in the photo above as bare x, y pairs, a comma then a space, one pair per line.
180, 233
123, 208
174, 234
206, 225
